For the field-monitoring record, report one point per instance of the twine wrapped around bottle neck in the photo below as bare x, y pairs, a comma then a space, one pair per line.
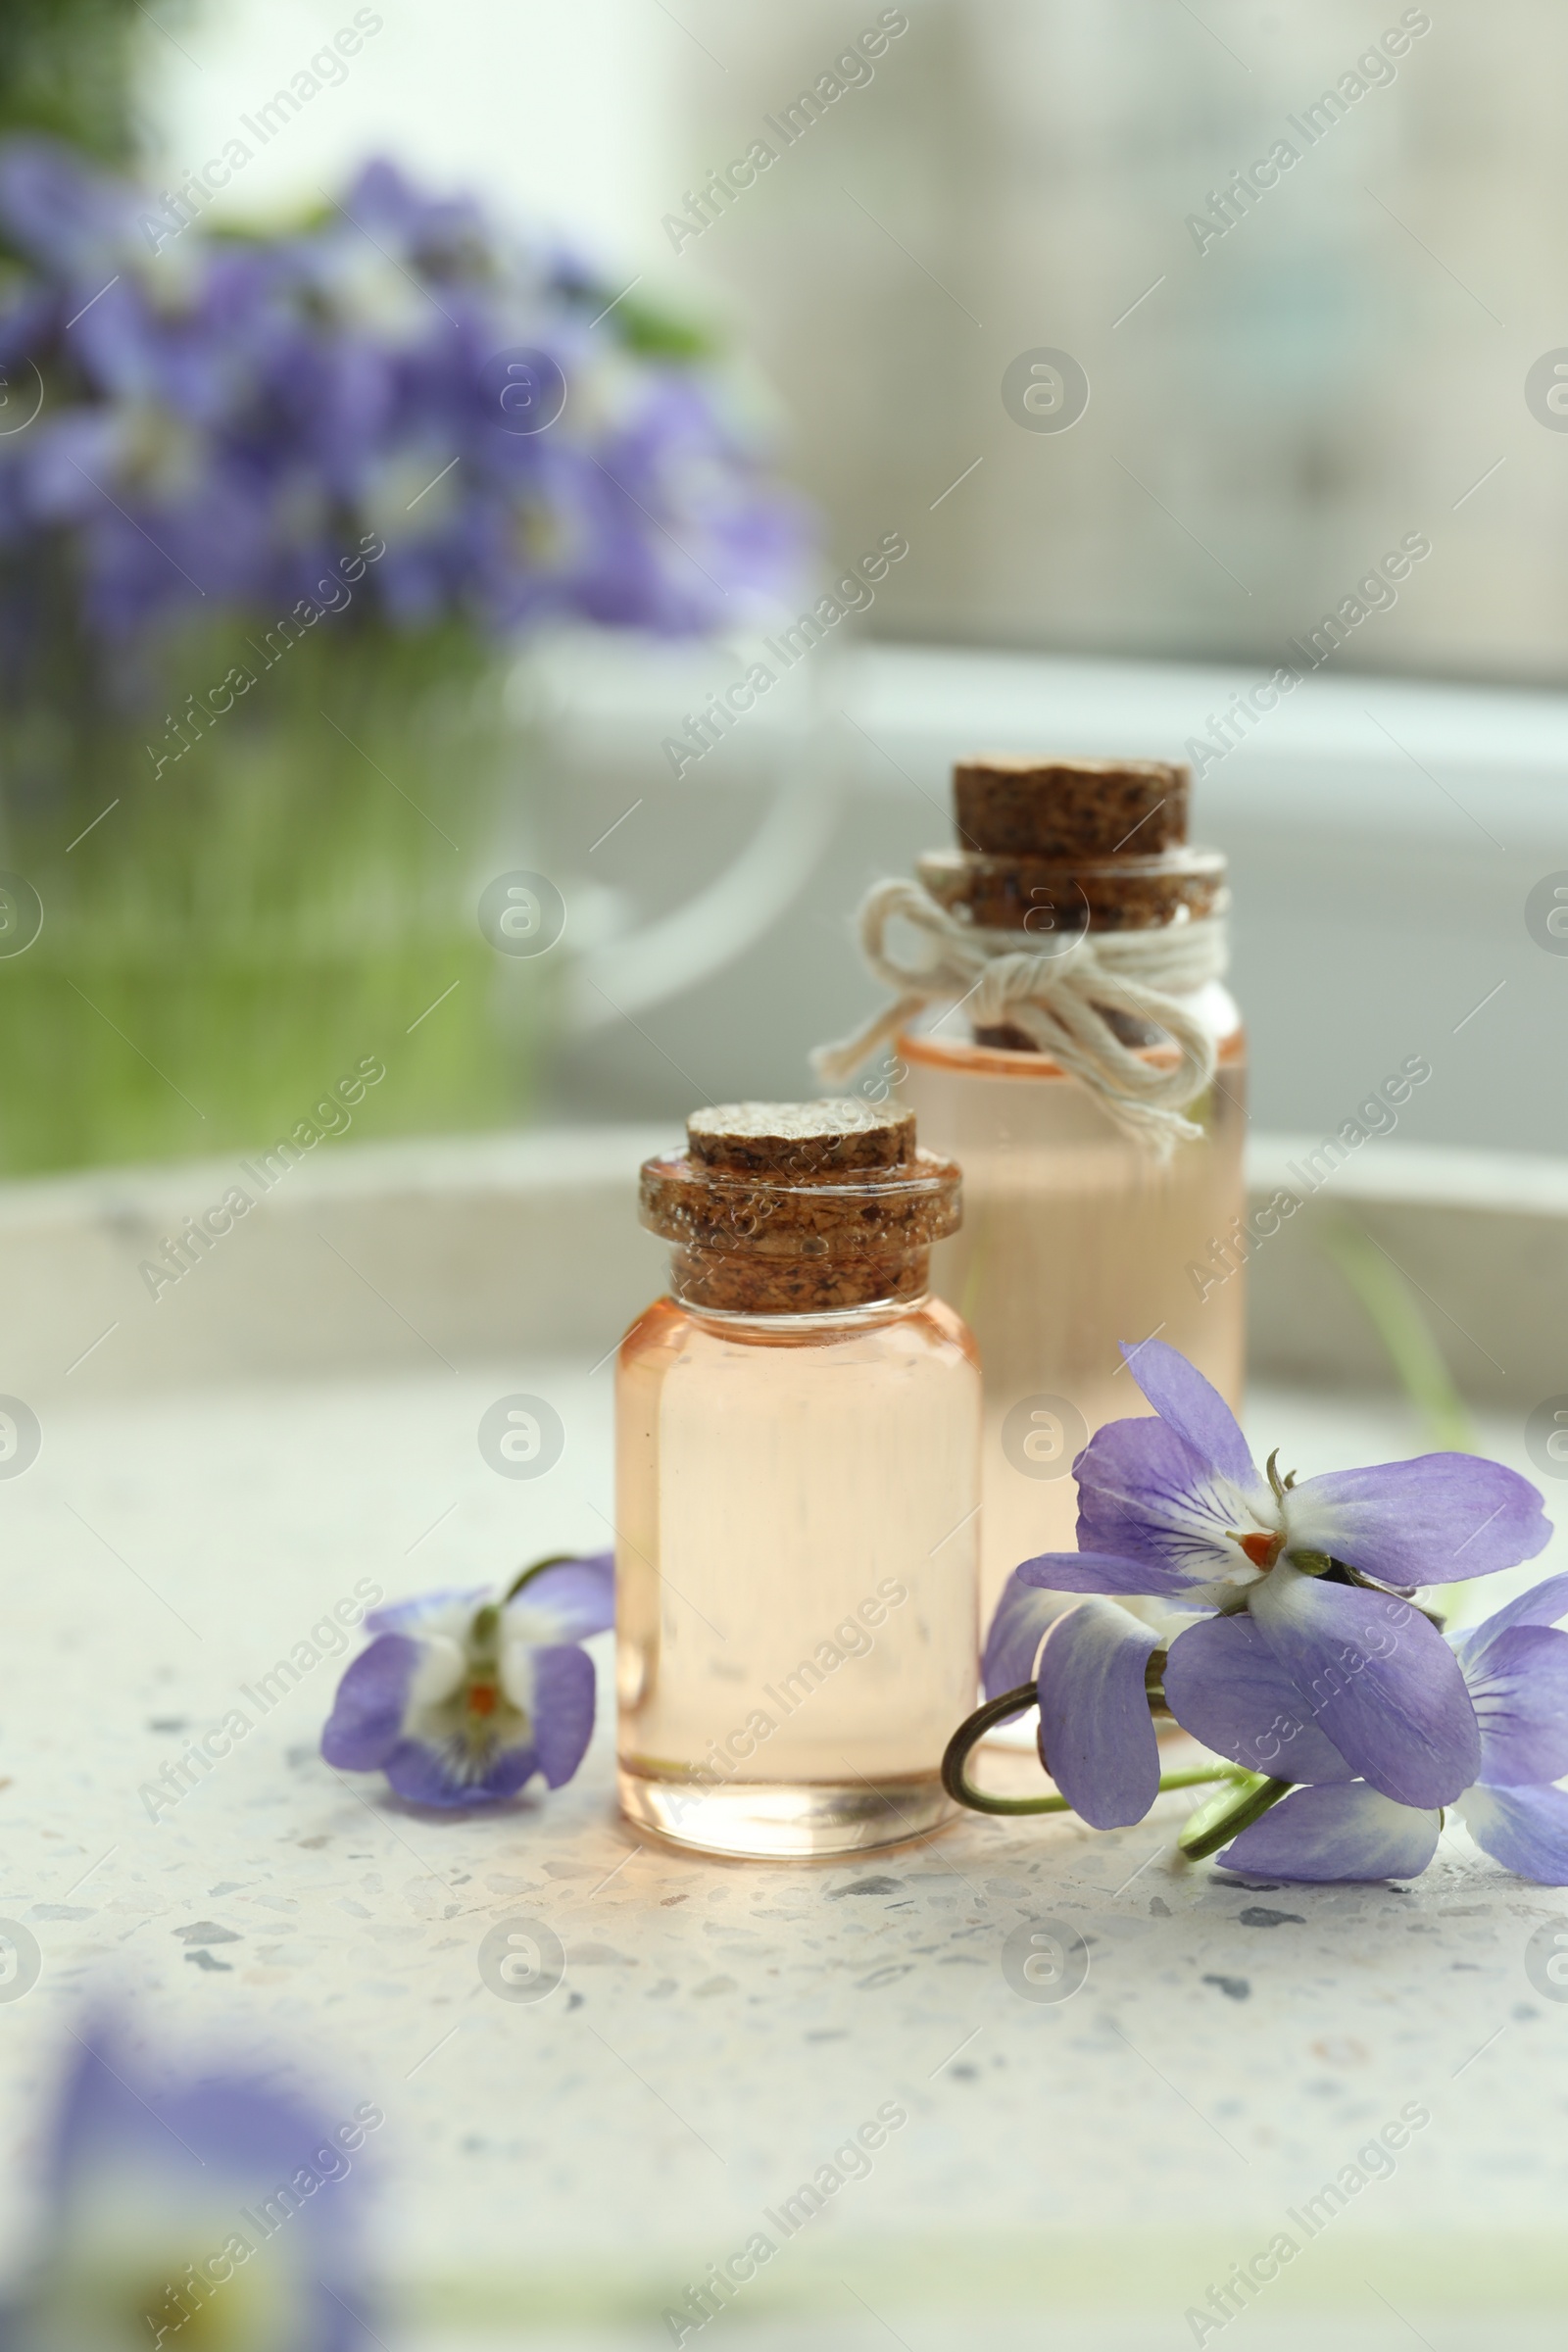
1061, 1001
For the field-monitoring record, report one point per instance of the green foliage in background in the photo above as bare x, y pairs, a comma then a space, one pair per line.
1396, 1314
227, 935
67, 68
1391, 1305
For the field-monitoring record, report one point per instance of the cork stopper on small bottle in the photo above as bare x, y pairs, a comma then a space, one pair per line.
802, 1139
800, 1207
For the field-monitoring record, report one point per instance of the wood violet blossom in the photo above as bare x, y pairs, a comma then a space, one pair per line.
220, 2213
1310, 1666
463, 1697
1515, 1668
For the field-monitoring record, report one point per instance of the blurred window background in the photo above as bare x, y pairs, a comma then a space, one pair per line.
1332, 365
1172, 344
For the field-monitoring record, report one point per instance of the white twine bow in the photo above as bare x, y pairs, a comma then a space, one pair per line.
1060, 1001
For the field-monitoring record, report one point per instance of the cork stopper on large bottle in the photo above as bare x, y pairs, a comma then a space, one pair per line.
1054, 845
1012, 804
800, 1207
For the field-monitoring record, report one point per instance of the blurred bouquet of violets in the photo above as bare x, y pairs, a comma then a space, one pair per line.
275, 514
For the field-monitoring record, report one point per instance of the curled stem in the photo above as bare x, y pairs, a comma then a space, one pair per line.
967, 1736
962, 1791
526, 1576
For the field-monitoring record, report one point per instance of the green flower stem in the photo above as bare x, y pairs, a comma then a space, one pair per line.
974, 1727
1195, 1775
526, 1576
1226, 1815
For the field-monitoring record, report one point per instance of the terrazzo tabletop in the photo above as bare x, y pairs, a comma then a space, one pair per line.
1063, 2172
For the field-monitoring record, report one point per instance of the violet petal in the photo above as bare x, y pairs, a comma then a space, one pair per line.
1226, 1686
1102, 1572
1194, 1409
1433, 1521
1327, 1833
562, 1709
1143, 1489
408, 1616
1096, 1739
1543, 1604
570, 1601
426, 1775
513, 1768
1377, 1678
367, 1719
1013, 1645
1526, 1829
1519, 1690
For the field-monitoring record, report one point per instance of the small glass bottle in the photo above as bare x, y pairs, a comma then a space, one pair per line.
797, 1438
1076, 1234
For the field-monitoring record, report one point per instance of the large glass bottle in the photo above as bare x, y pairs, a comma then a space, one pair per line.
1077, 1236
798, 1428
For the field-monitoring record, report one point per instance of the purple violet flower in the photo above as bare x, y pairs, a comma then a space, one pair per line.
218, 2212
463, 1697
1226, 1689
1312, 1581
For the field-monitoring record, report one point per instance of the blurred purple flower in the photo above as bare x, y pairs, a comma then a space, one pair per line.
463, 1697
222, 413
218, 2212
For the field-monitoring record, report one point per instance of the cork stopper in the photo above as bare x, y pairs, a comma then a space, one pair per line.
1012, 804
1043, 895
800, 1207
1054, 846
802, 1139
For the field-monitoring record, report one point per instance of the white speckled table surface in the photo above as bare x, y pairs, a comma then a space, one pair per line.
1070, 2172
